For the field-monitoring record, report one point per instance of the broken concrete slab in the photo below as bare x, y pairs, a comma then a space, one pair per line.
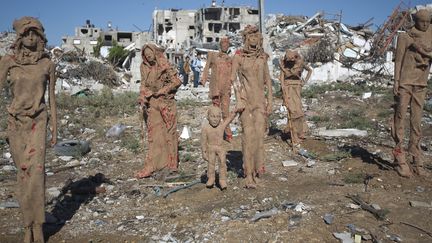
344, 237
342, 132
289, 163
419, 204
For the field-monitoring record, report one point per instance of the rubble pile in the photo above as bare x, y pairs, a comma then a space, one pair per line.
297, 33
76, 72
6, 40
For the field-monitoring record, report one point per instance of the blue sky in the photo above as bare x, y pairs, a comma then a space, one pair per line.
60, 17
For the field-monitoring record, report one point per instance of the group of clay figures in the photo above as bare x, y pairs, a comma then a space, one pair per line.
29, 72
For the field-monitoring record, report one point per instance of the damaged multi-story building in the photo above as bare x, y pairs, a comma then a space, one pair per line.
86, 38
178, 29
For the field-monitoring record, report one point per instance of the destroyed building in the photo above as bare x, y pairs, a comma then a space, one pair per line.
180, 29
86, 37
173, 28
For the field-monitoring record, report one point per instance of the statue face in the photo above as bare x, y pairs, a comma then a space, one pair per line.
254, 39
214, 118
149, 55
422, 24
224, 46
30, 39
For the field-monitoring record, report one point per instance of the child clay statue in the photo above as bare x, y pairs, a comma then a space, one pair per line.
159, 83
212, 145
292, 66
30, 72
250, 66
412, 65
220, 86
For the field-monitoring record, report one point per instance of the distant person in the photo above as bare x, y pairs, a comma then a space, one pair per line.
196, 68
220, 64
186, 71
30, 73
412, 65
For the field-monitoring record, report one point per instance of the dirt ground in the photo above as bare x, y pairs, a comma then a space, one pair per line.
296, 197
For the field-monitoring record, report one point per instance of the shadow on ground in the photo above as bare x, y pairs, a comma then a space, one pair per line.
72, 196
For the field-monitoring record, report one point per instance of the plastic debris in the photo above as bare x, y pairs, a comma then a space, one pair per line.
115, 131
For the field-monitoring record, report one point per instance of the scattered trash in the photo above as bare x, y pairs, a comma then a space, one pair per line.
9, 168
300, 207
311, 163
306, 154
9, 204
73, 163
328, 218
66, 158
367, 95
353, 206
376, 206
288, 205
139, 217
344, 237
185, 134
116, 131
379, 214
294, 220
394, 238
191, 184
7, 155
289, 163
420, 189
357, 238
265, 214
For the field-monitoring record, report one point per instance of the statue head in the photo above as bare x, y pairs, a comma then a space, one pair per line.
422, 19
214, 116
224, 44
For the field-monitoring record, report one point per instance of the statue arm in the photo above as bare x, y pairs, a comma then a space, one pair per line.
52, 103
206, 69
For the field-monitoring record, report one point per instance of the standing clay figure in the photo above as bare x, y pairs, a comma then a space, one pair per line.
30, 72
220, 84
411, 73
159, 83
250, 65
212, 145
292, 66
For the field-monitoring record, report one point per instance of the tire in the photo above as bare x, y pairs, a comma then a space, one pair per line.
74, 148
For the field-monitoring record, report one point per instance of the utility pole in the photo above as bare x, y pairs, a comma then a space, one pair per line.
261, 15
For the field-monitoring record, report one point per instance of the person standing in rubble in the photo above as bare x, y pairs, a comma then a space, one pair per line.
159, 83
196, 68
30, 72
292, 66
410, 87
250, 66
220, 64
186, 71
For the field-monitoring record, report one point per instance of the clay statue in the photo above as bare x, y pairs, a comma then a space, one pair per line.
292, 66
159, 83
212, 145
30, 72
250, 65
220, 85
412, 64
